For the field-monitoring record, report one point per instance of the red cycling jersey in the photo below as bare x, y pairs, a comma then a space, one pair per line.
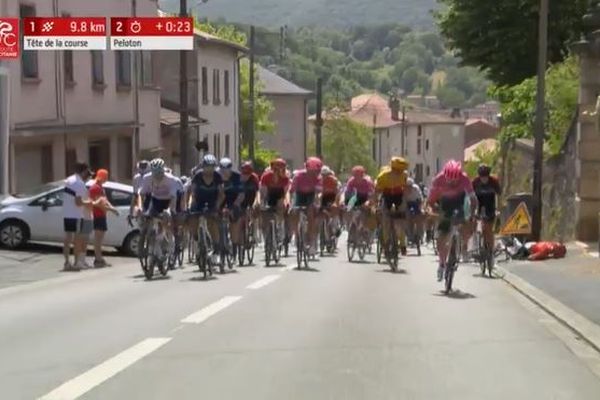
271, 180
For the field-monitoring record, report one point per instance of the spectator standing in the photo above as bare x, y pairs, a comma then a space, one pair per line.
77, 217
101, 206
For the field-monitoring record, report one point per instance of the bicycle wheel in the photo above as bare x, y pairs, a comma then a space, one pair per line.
379, 246
451, 265
276, 243
350, 242
393, 250
362, 245
165, 263
268, 246
150, 259
299, 250
322, 237
481, 252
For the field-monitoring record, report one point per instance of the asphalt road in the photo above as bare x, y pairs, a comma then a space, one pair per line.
340, 331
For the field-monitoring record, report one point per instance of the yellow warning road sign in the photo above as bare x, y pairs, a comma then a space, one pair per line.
519, 222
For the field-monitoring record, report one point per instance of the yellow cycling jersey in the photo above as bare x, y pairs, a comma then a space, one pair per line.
390, 183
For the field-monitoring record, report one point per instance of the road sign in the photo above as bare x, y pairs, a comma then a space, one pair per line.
519, 222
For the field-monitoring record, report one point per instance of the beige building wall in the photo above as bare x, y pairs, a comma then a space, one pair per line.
289, 116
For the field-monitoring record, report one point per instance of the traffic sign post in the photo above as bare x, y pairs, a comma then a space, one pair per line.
519, 223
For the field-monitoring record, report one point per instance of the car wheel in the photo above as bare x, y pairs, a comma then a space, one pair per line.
13, 234
131, 244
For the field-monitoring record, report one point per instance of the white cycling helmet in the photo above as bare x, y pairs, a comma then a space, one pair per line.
326, 171
226, 163
209, 161
157, 165
410, 182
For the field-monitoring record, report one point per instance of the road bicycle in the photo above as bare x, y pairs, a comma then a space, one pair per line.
327, 233
245, 251
203, 243
456, 222
226, 251
273, 239
302, 245
358, 236
155, 249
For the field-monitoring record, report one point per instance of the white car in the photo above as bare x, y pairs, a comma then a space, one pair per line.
38, 216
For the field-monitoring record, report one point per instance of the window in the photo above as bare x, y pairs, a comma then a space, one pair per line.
68, 62
46, 159
118, 198
428, 170
54, 199
204, 85
419, 172
123, 68
437, 165
147, 74
216, 144
97, 68
216, 86
418, 146
29, 58
426, 144
419, 130
227, 140
226, 87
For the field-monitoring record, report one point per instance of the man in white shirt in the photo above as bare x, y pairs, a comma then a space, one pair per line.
78, 223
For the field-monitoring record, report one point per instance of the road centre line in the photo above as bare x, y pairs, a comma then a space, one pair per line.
210, 310
263, 282
85, 382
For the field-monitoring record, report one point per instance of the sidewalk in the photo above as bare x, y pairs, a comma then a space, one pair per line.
39, 262
573, 281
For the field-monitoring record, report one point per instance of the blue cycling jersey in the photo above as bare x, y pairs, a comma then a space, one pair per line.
205, 193
233, 187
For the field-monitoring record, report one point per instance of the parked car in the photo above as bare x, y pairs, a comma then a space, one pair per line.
37, 216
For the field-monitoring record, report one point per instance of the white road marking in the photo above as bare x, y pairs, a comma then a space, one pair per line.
288, 268
85, 382
263, 282
210, 310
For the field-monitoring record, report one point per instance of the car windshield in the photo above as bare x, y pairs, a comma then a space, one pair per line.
38, 190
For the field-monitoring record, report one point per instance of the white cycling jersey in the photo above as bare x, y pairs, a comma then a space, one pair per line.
163, 189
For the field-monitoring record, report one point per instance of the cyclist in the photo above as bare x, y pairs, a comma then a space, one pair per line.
206, 193
234, 196
487, 189
453, 189
390, 185
250, 184
159, 196
142, 169
274, 189
357, 192
306, 188
330, 197
413, 198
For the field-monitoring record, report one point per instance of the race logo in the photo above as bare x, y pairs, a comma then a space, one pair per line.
9, 37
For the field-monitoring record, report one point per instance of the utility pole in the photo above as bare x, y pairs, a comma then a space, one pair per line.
540, 114
319, 119
136, 91
184, 117
251, 84
4, 128
404, 130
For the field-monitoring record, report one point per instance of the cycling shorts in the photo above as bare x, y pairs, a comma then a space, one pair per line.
414, 207
360, 199
274, 195
157, 206
304, 199
449, 207
392, 200
327, 199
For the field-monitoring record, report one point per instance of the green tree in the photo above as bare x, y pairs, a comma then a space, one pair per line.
500, 37
518, 105
345, 143
450, 97
262, 106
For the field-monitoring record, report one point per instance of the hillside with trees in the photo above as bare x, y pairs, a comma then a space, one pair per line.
333, 13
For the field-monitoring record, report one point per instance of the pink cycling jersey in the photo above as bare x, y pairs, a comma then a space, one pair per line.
441, 188
363, 186
305, 183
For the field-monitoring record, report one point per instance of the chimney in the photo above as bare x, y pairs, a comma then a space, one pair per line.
394, 105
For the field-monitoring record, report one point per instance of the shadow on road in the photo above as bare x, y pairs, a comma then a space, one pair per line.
309, 269
456, 294
202, 279
400, 271
485, 276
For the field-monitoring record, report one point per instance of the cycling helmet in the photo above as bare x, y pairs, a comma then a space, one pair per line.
313, 164
278, 163
168, 170
484, 170
226, 163
358, 171
326, 171
142, 165
398, 164
410, 182
209, 161
247, 167
157, 165
453, 170
184, 179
